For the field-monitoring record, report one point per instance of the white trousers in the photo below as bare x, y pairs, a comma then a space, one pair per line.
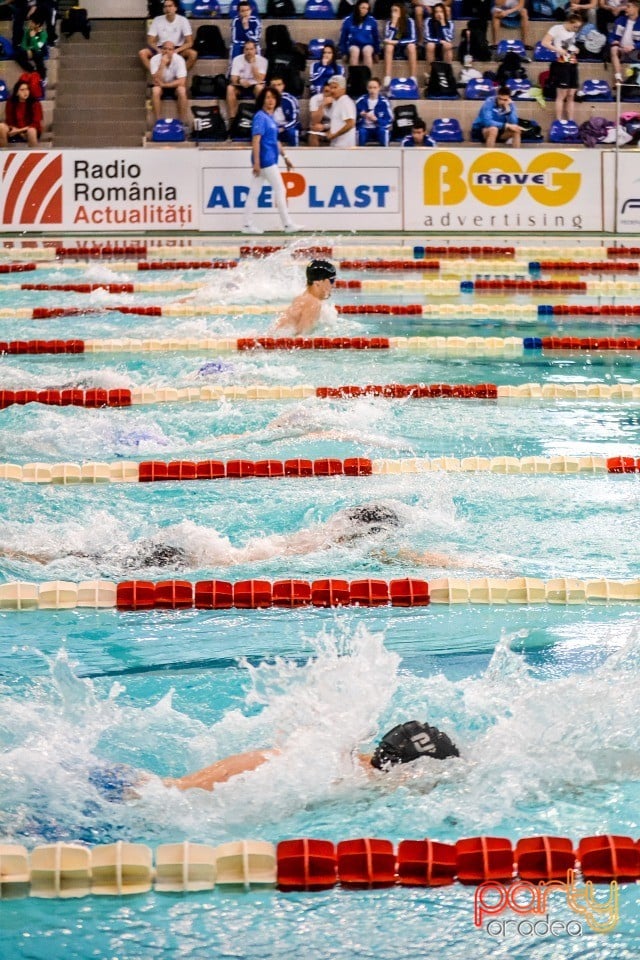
270, 175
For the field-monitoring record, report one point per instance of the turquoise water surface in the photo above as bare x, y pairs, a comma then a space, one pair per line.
543, 701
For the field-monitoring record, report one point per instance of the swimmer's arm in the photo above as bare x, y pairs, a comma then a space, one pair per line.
222, 770
24, 555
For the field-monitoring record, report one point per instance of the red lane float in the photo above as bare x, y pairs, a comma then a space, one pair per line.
381, 309
479, 859
590, 343
584, 266
81, 287
623, 251
623, 465
301, 253
42, 346
313, 343
17, 267
115, 250
187, 264
606, 310
94, 397
426, 863
473, 251
306, 864
389, 264
544, 858
367, 863
413, 390
150, 471
532, 286
258, 594
606, 858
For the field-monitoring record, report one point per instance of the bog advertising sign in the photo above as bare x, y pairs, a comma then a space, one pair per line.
503, 190
332, 190
99, 190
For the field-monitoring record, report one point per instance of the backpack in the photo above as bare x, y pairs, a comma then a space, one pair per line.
473, 42
280, 9
510, 46
209, 42
284, 65
511, 68
277, 39
442, 82
590, 41
543, 8
240, 127
357, 80
404, 116
34, 82
209, 88
531, 131
76, 20
477, 9
208, 124
594, 131
381, 9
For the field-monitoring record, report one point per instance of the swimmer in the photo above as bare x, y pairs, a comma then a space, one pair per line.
350, 526
403, 744
303, 314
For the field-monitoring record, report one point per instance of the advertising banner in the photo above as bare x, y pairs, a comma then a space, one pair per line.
622, 211
327, 190
513, 191
99, 190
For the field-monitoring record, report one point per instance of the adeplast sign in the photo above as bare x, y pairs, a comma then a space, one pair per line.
510, 190
105, 190
335, 190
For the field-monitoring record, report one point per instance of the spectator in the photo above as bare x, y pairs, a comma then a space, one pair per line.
33, 46
580, 6
509, 13
418, 136
497, 120
320, 106
563, 71
422, 11
286, 114
22, 11
247, 77
359, 37
342, 122
171, 27
265, 153
399, 41
244, 27
323, 69
438, 35
625, 38
374, 117
606, 13
23, 117
169, 77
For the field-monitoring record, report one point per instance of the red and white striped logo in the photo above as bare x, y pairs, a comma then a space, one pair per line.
32, 188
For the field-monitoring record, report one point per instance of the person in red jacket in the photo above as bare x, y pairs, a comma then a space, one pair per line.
22, 117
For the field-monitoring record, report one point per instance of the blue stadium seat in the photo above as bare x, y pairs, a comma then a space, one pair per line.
168, 131
403, 88
479, 89
564, 131
520, 89
542, 54
446, 130
202, 9
319, 10
4, 91
596, 91
6, 49
510, 46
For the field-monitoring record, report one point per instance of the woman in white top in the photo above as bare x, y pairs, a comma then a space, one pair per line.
563, 72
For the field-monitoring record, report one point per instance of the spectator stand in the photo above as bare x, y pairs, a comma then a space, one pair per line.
304, 29
9, 73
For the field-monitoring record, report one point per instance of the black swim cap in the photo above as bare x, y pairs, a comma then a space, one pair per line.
320, 270
369, 513
410, 741
151, 554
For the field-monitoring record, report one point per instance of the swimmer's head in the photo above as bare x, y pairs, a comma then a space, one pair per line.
320, 270
410, 741
152, 554
366, 520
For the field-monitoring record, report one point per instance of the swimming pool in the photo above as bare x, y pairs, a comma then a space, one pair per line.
542, 699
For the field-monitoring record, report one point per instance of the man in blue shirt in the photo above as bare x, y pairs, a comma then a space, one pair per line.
497, 120
418, 136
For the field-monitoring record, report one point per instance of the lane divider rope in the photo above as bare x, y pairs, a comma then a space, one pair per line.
514, 347
98, 397
150, 471
73, 869
133, 595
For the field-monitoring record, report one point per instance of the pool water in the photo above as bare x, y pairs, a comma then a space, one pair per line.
543, 701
